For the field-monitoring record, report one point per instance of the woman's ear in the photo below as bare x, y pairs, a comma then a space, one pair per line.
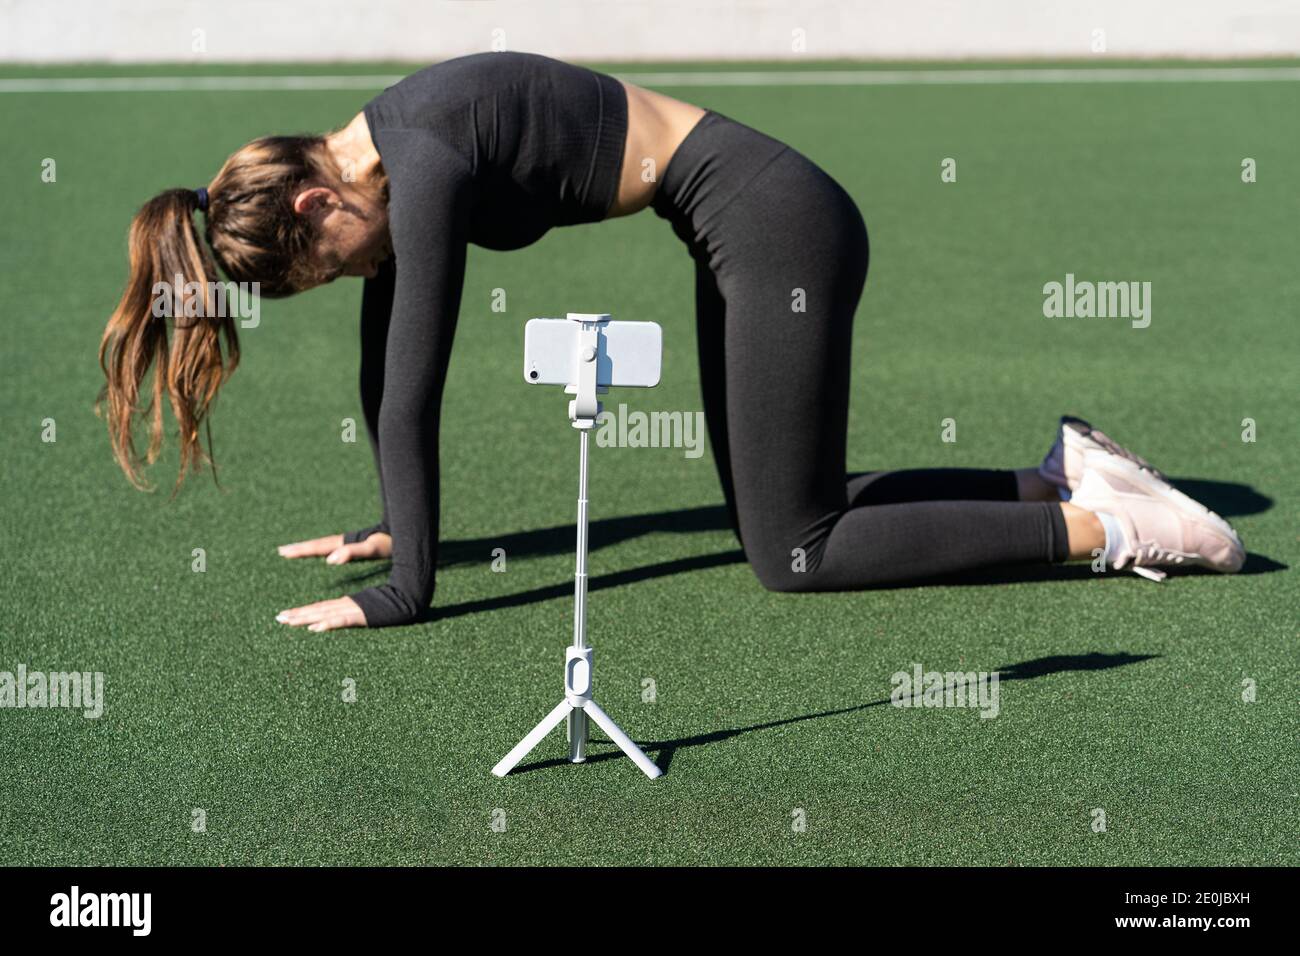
315, 201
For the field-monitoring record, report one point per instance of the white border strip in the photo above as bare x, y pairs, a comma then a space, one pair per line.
954, 77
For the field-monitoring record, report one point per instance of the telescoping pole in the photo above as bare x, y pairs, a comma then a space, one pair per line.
580, 576
578, 717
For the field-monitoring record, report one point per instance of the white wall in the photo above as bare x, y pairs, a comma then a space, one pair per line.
330, 30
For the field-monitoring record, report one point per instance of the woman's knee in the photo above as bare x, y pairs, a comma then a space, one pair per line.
794, 575
785, 547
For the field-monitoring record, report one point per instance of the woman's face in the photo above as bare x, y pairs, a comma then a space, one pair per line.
351, 229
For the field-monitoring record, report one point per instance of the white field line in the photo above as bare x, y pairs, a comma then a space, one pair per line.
190, 84
963, 77
954, 77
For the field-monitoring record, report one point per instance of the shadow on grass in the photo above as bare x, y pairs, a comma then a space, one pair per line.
1025, 670
1229, 498
597, 582
601, 533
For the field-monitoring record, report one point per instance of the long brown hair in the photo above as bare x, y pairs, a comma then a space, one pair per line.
253, 233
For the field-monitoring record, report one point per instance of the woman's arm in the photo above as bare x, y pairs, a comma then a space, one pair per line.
428, 210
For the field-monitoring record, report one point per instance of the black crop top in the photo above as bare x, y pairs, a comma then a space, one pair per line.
492, 149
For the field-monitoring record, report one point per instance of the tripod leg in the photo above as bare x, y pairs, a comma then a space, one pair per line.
525, 746
606, 723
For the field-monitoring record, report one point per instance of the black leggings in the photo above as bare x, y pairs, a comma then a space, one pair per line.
781, 258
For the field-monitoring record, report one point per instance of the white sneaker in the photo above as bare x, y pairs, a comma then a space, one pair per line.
1063, 465
1158, 524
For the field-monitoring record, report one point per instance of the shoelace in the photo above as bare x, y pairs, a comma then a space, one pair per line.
1150, 552
1112, 446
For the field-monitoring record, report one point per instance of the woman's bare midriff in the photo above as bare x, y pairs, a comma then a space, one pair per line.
656, 126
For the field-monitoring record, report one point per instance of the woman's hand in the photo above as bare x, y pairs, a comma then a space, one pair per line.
334, 551
324, 615
340, 612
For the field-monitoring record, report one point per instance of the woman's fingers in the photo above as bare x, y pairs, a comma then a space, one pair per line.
334, 551
311, 613
347, 552
378, 545
315, 548
324, 615
334, 623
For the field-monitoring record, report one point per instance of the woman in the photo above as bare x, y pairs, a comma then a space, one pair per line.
496, 149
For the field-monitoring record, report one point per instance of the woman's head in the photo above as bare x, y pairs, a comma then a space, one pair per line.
290, 213
283, 215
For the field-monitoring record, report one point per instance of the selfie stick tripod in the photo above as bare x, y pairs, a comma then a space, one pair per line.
578, 705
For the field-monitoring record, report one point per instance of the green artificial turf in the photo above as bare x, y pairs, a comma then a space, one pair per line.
1117, 694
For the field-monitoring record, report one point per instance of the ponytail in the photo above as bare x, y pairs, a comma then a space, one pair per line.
167, 258
252, 232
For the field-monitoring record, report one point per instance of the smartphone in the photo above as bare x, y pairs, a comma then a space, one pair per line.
630, 353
